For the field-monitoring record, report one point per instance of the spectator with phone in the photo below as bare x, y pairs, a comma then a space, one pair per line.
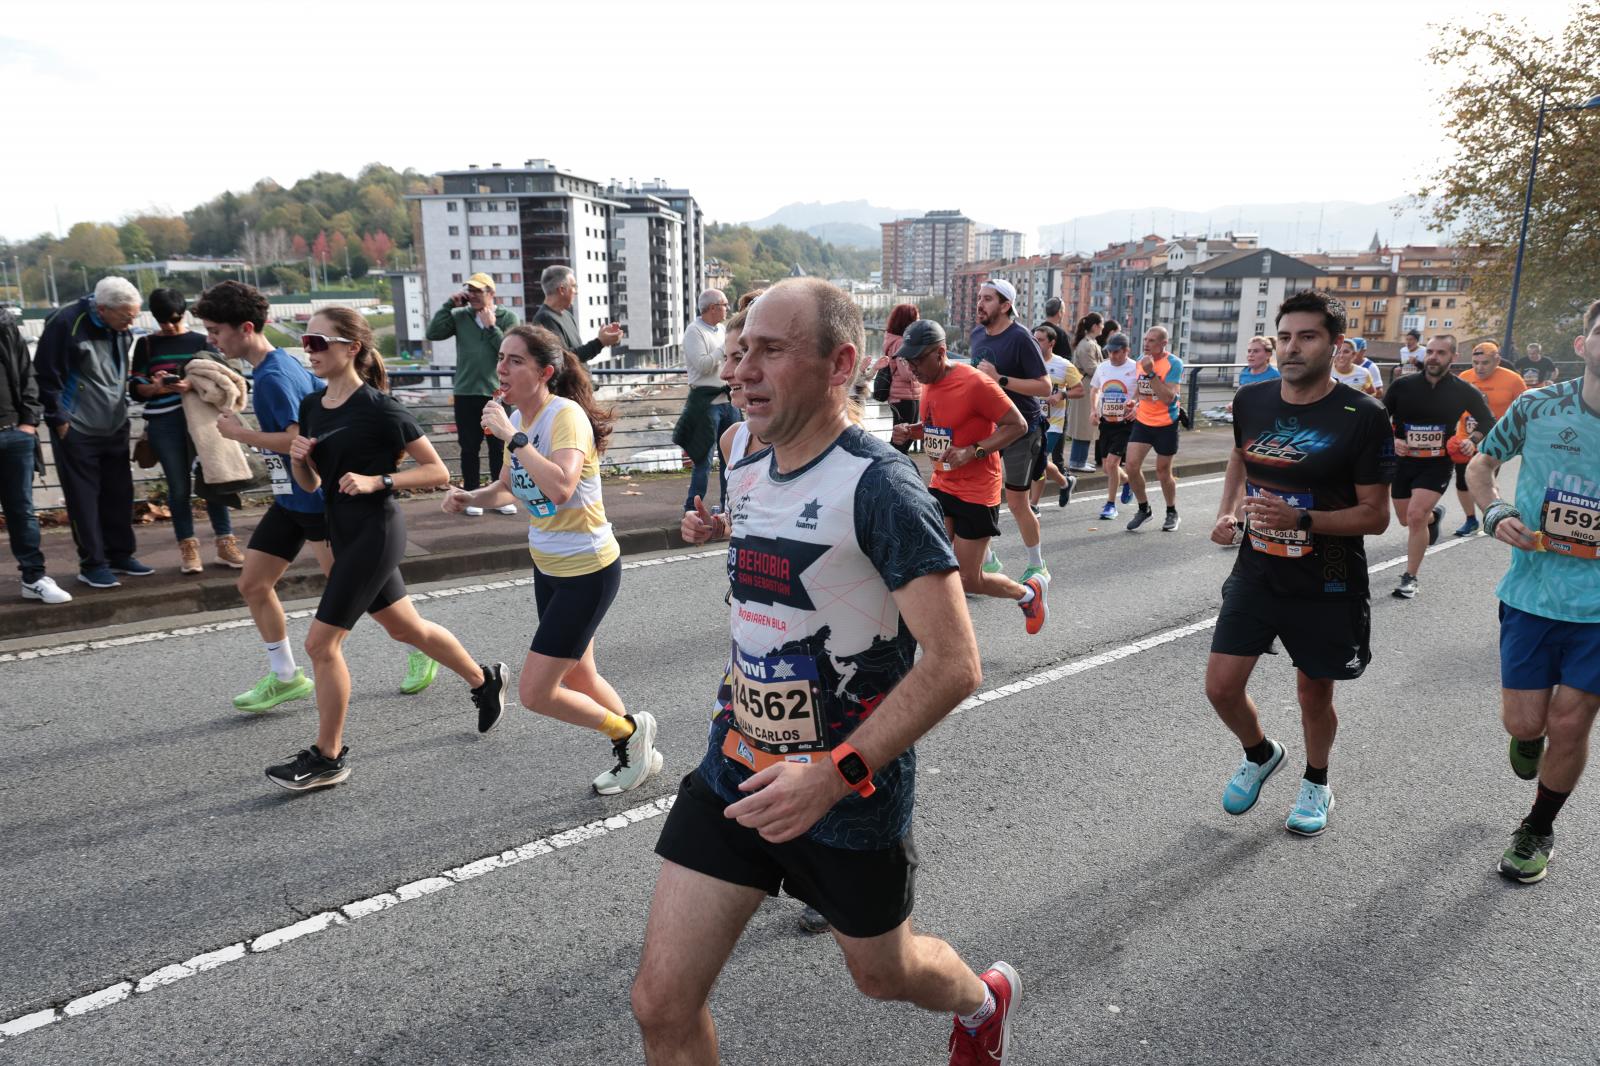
478, 326
160, 361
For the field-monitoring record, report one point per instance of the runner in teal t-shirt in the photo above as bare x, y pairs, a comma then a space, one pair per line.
1550, 597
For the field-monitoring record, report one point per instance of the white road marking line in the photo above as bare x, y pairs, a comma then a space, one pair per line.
361, 908
307, 612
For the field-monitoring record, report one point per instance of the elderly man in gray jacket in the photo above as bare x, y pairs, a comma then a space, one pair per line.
82, 367
707, 411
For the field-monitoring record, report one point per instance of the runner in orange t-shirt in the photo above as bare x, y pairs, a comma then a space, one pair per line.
966, 420
1499, 385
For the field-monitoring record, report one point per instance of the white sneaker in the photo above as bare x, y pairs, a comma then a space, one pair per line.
507, 508
637, 758
473, 512
47, 590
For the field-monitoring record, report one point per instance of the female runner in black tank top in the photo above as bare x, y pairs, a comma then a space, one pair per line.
352, 438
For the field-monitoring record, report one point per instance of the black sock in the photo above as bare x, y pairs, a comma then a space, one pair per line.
1259, 753
1144, 505
1171, 509
1546, 805
1317, 775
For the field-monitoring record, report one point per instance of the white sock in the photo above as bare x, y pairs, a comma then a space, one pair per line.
280, 659
983, 1013
1036, 554
993, 558
1026, 597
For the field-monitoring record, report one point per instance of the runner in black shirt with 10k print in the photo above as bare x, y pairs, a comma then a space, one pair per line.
1307, 479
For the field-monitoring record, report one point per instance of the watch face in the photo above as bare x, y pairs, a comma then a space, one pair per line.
854, 768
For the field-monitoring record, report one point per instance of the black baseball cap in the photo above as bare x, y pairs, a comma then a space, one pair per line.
919, 337
1118, 340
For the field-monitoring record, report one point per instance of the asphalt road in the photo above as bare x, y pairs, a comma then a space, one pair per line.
1072, 827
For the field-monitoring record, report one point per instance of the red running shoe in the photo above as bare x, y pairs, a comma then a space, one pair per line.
1034, 612
990, 1045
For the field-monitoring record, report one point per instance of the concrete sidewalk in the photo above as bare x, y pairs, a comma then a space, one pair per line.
645, 513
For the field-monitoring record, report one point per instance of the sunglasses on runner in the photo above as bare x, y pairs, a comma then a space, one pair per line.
318, 342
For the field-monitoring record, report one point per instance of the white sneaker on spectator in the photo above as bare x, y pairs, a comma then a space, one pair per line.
45, 589
473, 512
507, 508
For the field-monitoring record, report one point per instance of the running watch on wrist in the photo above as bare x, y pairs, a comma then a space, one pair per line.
979, 451
1303, 524
518, 441
853, 768
1004, 381
388, 482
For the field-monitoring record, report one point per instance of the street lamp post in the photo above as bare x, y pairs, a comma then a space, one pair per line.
1592, 104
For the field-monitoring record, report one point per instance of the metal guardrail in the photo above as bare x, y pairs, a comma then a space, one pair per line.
647, 402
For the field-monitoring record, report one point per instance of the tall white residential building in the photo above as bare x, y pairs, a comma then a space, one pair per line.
694, 239
647, 287
511, 223
1213, 308
1000, 244
410, 323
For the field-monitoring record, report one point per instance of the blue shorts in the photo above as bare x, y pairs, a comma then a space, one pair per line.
1541, 653
1051, 439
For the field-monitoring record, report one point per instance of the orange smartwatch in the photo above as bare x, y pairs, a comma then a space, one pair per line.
854, 769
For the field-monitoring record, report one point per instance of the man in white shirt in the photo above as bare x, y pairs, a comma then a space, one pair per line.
707, 412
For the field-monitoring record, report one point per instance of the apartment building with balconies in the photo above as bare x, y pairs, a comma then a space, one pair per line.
648, 278
1213, 307
921, 254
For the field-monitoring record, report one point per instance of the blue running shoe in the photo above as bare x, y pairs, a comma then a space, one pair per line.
1245, 787
1127, 493
1469, 527
131, 567
1108, 512
1309, 815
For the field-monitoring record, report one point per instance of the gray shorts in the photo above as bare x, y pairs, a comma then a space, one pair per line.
1021, 458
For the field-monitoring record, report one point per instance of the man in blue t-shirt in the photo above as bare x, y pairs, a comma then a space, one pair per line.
1550, 597
1007, 353
234, 316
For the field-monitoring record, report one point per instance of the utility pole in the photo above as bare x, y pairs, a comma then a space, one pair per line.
16, 265
54, 295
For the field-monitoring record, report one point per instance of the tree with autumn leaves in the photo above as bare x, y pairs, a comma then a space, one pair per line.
1500, 69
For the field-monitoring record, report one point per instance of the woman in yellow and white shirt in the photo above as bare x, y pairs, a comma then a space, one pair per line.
554, 435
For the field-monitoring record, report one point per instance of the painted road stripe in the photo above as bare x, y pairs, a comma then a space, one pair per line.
361, 908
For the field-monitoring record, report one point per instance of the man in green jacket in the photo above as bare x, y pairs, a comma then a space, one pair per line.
478, 327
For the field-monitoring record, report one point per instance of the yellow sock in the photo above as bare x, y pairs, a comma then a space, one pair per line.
616, 727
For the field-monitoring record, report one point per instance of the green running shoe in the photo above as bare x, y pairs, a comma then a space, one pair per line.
992, 565
420, 672
1040, 572
269, 692
1526, 756
1527, 860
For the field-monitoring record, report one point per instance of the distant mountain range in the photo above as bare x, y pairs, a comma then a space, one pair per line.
1288, 227
1302, 227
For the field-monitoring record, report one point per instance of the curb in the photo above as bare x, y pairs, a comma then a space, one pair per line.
221, 594
87, 611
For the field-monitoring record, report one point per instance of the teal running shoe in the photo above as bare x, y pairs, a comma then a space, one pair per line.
1245, 787
1309, 815
1040, 572
1526, 756
420, 672
269, 692
992, 565
1527, 860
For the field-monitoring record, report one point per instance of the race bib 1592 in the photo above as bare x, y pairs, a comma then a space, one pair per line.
1570, 524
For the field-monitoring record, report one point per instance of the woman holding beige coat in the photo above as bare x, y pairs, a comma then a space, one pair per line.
1086, 356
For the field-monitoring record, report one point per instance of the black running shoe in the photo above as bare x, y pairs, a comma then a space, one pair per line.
1171, 522
310, 769
1434, 523
1066, 490
490, 697
1143, 515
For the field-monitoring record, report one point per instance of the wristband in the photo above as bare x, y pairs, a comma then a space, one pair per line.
1497, 512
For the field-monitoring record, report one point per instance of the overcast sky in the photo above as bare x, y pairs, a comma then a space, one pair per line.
1019, 114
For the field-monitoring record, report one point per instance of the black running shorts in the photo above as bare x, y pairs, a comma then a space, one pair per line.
1422, 475
861, 893
1461, 476
283, 532
368, 544
1326, 639
1164, 439
1112, 440
571, 609
971, 521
